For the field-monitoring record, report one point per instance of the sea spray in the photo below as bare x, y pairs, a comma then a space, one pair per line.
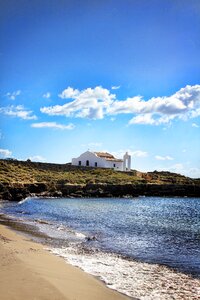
136, 279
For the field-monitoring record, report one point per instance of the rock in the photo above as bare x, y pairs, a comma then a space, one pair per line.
91, 238
18, 192
57, 194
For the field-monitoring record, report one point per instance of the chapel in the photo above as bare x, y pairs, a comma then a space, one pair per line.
103, 160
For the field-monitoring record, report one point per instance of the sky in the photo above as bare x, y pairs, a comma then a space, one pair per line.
101, 75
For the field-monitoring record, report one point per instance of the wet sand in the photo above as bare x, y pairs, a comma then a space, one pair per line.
28, 271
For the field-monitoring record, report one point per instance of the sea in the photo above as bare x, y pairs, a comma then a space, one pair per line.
145, 247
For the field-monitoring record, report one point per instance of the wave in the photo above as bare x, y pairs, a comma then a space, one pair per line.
80, 235
135, 279
40, 221
24, 200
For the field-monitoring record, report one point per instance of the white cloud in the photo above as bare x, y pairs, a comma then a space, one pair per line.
96, 103
88, 103
130, 105
13, 95
184, 104
115, 87
180, 168
69, 93
195, 125
37, 158
143, 119
147, 119
5, 153
47, 95
18, 111
53, 125
177, 167
194, 113
193, 172
167, 157
136, 153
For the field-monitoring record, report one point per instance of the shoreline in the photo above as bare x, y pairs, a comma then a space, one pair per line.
134, 279
26, 265
19, 192
125, 191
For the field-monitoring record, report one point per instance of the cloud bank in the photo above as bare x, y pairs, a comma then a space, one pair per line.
167, 157
53, 125
98, 102
133, 153
5, 153
17, 111
37, 158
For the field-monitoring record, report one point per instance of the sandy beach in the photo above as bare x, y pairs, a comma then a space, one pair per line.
28, 271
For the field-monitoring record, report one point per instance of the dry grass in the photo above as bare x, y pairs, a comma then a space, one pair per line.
12, 172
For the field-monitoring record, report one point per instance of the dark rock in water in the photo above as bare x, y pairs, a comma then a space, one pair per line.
41, 221
20, 211
75, 195
91, 238
57, 194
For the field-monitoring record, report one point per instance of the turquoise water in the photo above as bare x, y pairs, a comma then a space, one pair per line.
147, 231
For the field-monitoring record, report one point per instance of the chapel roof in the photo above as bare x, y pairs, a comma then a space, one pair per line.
107, 156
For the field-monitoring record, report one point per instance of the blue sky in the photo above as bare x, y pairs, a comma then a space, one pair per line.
102, 75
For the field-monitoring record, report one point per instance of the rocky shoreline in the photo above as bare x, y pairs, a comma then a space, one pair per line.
17, 192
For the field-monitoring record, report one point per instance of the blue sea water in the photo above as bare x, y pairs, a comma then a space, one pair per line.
129, 243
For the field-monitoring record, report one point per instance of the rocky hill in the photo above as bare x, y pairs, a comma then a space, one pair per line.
19, 179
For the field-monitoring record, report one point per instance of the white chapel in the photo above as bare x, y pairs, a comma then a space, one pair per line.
103, 160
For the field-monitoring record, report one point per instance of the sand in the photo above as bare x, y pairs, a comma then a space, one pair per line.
28, 271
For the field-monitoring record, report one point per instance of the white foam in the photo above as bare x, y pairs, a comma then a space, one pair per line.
80, 235
61, 227
136, 279
24, 200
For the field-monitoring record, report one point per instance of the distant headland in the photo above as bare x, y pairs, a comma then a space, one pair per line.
21, 179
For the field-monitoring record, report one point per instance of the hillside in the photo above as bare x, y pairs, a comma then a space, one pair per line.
19, 179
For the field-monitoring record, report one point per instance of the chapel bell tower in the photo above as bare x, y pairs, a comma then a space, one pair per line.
126, 162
